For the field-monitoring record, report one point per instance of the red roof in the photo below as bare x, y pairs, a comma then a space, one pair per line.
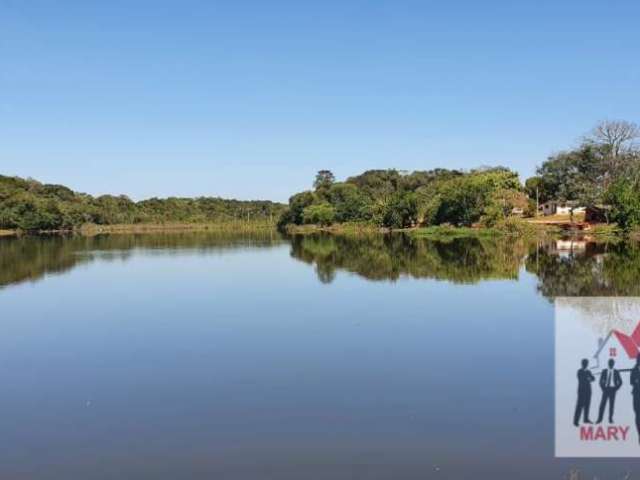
629, 343
635, 336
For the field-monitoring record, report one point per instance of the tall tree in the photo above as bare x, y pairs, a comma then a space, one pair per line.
617, 135
616, 141
585, 174
324, 180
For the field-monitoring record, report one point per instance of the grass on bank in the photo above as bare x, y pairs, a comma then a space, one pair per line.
558, 218
516, 227
508, 227
336, 228
524, 229
139, 228
438, 231
91, 229
448, 231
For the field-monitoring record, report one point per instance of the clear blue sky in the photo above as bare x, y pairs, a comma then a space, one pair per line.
248, 99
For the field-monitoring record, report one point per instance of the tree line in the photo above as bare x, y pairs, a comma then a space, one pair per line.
394, 199
603, 171
29, 205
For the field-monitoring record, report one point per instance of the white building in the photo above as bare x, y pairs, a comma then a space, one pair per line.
560, 208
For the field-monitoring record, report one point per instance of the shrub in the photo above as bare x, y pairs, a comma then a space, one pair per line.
320, 214
400, 211
624, 198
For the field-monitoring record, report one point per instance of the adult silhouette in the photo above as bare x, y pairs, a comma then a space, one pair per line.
585, 377
635, 391
610, 383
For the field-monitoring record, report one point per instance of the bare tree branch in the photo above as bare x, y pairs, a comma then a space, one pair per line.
617, 135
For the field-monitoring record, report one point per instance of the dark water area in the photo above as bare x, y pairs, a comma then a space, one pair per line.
208, 355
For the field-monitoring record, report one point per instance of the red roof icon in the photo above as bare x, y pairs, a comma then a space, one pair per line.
630, 343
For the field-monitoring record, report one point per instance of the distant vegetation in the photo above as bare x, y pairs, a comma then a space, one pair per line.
29, 205
389, 198
603, 172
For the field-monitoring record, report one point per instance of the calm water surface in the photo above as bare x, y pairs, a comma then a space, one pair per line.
198, 356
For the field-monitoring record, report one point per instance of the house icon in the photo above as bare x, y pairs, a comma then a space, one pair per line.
623, 348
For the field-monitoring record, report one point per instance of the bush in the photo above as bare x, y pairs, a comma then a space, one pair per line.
465, 199
321, 214
401, 211
624, 198
350, 204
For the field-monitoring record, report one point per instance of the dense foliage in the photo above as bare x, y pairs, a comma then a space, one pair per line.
30, 205
393, 199
624, 199
603, 170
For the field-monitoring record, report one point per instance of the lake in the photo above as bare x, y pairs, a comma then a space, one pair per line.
210, 355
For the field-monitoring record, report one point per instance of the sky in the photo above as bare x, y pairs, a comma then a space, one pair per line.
248, 99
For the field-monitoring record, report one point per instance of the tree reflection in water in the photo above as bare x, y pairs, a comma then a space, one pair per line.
595, 269
566, 268
30, 258
388, 257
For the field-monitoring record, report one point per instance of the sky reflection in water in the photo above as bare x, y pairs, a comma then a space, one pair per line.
207, 355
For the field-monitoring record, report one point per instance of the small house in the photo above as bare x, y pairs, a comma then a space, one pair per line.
560, 208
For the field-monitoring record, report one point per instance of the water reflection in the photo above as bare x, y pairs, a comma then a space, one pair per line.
565, 268
594, 269
388, 257
196, 359
30, 258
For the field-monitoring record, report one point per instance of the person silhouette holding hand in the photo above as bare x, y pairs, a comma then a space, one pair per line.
635, 391
585, 377
610, 383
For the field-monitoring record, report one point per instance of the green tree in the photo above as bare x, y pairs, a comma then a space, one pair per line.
575, 175
377, 185
400, 211
463, 200
297, 204
320, 214
624, 198
322, 183
349, 202
585, 174
501, 203
535, 187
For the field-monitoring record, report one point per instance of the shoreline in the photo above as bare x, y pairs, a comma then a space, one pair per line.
520, 229
141, 228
